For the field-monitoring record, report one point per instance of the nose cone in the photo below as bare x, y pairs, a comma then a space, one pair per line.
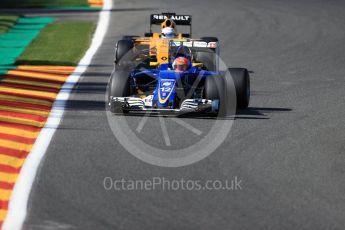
165, 92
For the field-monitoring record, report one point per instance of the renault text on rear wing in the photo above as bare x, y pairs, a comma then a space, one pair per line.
178, 19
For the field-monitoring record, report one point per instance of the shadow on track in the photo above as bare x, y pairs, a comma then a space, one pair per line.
258, 112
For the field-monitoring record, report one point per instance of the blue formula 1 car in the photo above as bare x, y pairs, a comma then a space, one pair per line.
141, 83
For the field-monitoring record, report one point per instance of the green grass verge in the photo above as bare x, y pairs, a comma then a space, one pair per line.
60, 43
41, 3
6, 22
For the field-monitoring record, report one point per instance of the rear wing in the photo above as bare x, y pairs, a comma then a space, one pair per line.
194, 43
180, 20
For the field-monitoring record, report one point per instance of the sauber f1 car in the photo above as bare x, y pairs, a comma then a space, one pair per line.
145, 79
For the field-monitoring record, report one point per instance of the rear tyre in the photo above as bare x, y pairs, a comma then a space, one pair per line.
208, 59
122, 48
118, 87
241, 80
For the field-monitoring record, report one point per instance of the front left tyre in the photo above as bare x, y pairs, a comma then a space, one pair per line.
241, 80
220, 88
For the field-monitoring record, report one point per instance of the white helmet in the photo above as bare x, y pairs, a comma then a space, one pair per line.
168, 32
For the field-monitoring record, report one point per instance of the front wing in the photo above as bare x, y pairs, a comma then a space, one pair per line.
187, 106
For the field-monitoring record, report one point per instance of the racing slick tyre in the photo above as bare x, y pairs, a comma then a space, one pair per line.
208, 59
241, 80
118, 87
122, 48
215, 89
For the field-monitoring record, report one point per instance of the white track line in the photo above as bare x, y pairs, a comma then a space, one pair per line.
165, 131
19, 200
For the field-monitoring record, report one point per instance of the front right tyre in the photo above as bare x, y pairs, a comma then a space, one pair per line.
119, 86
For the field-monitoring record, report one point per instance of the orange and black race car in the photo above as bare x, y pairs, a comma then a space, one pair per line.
152, 49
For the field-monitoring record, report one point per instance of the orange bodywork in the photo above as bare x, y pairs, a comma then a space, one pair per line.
158, 47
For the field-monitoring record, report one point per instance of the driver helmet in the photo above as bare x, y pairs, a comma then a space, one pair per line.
168, 32
184, 51
181, 64
168, 28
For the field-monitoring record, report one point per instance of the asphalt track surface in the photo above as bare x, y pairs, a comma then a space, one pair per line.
287, 148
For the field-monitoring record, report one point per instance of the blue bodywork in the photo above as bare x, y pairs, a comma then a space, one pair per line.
167, 81
164, 95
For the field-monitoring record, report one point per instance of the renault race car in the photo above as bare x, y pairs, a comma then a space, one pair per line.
156, 48
144, 79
